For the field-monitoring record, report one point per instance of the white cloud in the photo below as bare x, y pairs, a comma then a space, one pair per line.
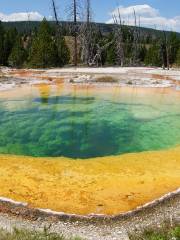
149, 17
21, 16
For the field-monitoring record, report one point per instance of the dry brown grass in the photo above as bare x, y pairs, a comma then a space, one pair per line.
106, 79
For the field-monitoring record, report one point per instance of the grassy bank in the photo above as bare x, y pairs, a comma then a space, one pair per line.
27, 235
163, 233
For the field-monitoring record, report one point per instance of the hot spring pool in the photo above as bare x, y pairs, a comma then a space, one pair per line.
125, 142
77, 122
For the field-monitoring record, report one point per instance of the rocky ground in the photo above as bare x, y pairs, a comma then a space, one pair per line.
165, 210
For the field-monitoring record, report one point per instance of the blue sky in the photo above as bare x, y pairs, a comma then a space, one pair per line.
101, 9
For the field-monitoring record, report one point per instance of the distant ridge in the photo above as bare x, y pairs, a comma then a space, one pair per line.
26, 26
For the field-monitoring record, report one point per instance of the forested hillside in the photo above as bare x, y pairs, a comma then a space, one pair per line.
55, 44
26, 27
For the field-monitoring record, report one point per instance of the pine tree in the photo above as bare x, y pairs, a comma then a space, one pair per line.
174, 44
153, 56
43, 51
1, 44
18, 54
63, 52
9, 37
142, 53
178, 58
111, 56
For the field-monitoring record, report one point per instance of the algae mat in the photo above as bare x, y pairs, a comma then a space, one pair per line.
108, 185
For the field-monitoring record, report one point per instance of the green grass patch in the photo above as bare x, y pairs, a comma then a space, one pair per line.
32, 235
164, 233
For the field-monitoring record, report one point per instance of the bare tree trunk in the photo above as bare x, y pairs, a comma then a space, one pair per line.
97, 60
139, 41
162, 55
55, 12
58, 24
88, 32
166, 50
86, 38
88, 12
75, 33
58, 27
167, 53
119, 39
135, 41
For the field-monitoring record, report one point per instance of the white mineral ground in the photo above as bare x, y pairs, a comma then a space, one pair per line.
142, 77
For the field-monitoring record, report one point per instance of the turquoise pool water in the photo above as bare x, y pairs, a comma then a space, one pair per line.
93, 123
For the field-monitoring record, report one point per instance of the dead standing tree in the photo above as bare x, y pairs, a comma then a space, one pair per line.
136, 39
86, 35
75, 32
118, 35
55, 12
164, 51
58, 29
74, 10
97, 60
58, 24
91, 50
